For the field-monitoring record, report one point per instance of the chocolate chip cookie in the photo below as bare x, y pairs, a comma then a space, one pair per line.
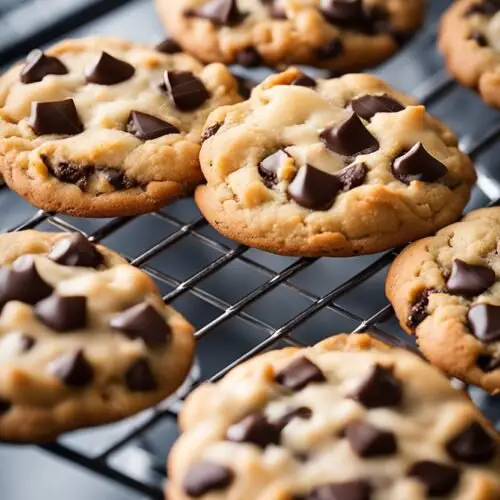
102, 127
330, 167
470, 42
446, 290
348, 419
339, 35
85, 338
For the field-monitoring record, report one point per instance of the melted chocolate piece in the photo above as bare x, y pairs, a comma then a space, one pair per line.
331, 49
55, 118
349, 490
419, 308
219, 12
73, 369
353, 176
299, 374
343, 12
368, 106
206, 477
484, 321
368, 442
479, 38
26, 342
468, 279
245, 86
269, 167
255, 429
38, 66
484, 7
109, 70
117, 178
472, 446
168, 46
77, 251
305, 81
62, 314
210, 132
302, 412
249, 58
69, 172
438, 479
5, 406
139, 378
149, 127
488, 363
186, 90
418, 165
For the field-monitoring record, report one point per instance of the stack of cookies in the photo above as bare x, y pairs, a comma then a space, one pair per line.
301, 166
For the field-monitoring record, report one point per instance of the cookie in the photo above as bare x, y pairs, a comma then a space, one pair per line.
330, 167
470, 41
446, 290
101, 127
338, 35
85, 338
348, 419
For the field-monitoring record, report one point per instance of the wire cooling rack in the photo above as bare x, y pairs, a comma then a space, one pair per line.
129, 455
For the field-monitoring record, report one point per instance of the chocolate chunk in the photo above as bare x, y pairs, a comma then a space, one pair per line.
22, 282
488, 363
314, 189
305, 81
331, 49
23, 341
5, 406
38, 66
55, 117
143, 321
418, 165
479, 38
468, 279
118, 178
206, 477
186, 90
109, 70
139, 378
149, 127
168, 46
349, 138
438, 479
219, 12
210, 132
485, 7
353, 176
343, 12
77, 251
249, 58
255, 429
299, 374
484, 321
62, 314
302, 412
72, 368
368, 106
368, 442
69, 172
380, 389
419, 309
472, 446
349, 490
269, 167
245, 86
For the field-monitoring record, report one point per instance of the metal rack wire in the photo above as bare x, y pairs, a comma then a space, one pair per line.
430, 91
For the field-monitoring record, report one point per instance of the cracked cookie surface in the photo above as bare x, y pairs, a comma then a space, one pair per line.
334, 34
445, 289
330, 167
346, 419
102, 127
85, 338
470, 41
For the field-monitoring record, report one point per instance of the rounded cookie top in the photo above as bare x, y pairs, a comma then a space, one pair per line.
346, 419
334, 34
470, 41
104, 127
446, 290
85, 338
330, 167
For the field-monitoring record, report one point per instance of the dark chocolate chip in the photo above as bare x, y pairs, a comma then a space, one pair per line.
22, 282
473, 445
255, 429
331, 49
206, 477
302, 412
349, 490
419, 309
488, 363
69, 172
186, 90
62, 314
380, 389
72, 368
485, 7
210, 132
38, 66
26, 342
314, 189
368, 106
5, 406
299, 374
484, 320
353, 176
76, 251
249, 58
368, 442
149, 127
168, 46
418, 165
343, 12
438, 479
468, 279
219, 12
305, 81
139, 378
245, 86
55, 117
109, 70
143, 321
349, 138
118, 178
269, 167
479, 38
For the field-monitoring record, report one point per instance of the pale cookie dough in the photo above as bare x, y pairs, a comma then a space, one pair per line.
330, 167
334, 34
446, 290
348, 419
102, 127
85, 338
470, 41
